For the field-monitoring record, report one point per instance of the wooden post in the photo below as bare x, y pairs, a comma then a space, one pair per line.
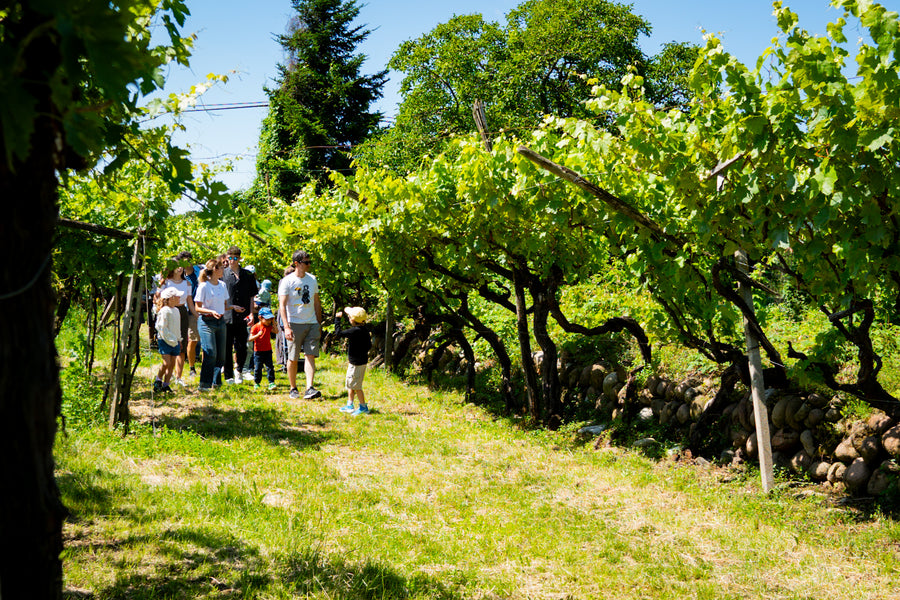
481, 123
757, 386
388, 335
128, 344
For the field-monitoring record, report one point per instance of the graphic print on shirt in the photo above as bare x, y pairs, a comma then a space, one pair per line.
304, 298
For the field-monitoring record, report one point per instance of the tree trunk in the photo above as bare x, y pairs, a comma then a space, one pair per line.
532, 391
436, 357
469, 354
398, 354
31, 512
550, 390
63, 304
499, 349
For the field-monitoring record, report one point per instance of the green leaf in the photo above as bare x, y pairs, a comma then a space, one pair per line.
874, 139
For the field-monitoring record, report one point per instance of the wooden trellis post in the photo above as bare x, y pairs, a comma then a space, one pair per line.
388, 335
127, 357
481, 123
757, 385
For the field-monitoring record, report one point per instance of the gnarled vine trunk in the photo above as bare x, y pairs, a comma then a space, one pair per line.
532, 391
31, 512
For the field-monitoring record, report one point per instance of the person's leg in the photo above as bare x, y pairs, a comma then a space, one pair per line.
208, 344
221, 351
257, 368
292, 373
179, 362
266, 359
356, 383
184, 328
351, 397
192, 355
229, 348
310, 369
240, 345
311, 351
193, 338
169, 363
294, 349
250, 363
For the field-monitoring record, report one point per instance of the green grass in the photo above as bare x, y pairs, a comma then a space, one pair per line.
243, 495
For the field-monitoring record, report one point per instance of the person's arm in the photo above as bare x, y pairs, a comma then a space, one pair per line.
201, 310
318, 307
282, 312
256, 335
190, 304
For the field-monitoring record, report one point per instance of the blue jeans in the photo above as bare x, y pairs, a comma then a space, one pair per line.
263, 358
212, 340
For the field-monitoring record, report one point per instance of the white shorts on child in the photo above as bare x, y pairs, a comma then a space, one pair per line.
355, 375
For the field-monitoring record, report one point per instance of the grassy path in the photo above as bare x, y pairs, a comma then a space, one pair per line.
243, 495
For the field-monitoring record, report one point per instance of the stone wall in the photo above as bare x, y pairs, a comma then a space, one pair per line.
809, 435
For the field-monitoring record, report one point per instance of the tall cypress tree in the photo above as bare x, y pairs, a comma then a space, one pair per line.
321, 107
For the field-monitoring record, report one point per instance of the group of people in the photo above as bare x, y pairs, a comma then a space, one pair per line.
221, 306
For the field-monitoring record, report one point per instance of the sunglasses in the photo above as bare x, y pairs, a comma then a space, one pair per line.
234, 258
305, 262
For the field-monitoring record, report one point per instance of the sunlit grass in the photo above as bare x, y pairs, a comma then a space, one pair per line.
241, 495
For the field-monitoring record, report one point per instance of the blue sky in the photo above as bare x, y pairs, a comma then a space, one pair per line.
239, 37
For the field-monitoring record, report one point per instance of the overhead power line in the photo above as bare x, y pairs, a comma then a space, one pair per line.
227, 106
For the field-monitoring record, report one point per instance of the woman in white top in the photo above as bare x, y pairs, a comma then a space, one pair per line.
175, 279
211, 302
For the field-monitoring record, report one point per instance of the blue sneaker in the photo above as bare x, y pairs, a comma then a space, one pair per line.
362, 410
348, 408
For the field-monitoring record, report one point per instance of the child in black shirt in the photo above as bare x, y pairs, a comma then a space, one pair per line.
357, 355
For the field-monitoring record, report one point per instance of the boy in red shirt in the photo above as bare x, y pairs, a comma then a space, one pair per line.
261, 336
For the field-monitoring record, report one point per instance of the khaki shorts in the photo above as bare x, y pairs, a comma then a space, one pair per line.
193, 332
306, 338
355, 375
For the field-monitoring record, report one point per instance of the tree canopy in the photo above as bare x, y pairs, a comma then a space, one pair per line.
534, 65
320, 107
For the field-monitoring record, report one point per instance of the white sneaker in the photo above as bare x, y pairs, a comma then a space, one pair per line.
229, 381
180, 382
237, 377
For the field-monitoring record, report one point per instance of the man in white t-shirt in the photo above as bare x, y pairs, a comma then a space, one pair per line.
300, 309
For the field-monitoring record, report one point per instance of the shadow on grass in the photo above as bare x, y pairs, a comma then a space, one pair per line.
192, 562
179, 563
87, 494
264, 422
311, 574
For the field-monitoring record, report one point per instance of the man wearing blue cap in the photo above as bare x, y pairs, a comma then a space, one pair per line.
261, 336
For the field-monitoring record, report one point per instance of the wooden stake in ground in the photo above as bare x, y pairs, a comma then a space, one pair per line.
127, 355
388, 336
757, 386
